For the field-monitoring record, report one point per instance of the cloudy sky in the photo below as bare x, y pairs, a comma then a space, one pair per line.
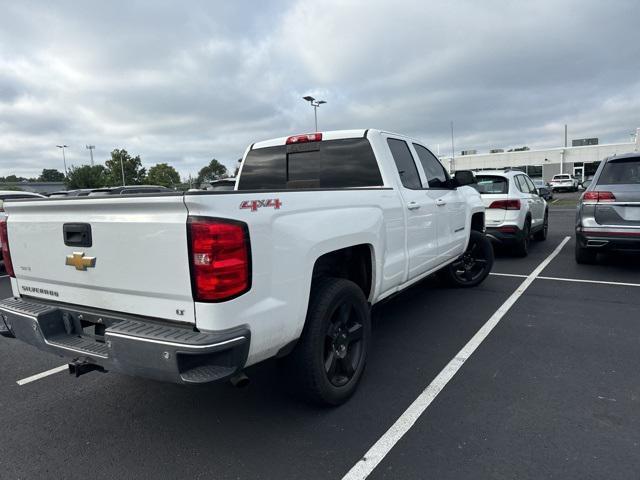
184, 82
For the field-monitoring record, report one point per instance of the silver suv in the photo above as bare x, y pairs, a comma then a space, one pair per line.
608, 216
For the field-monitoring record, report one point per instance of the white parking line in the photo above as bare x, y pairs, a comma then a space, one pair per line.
508, 275
381, 448
576, 280
580, 280
38, 376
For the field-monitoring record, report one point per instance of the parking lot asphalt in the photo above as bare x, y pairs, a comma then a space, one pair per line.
552, 392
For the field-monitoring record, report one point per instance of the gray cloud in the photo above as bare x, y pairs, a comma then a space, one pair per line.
183, 83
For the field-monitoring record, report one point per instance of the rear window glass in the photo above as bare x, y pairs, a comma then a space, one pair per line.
621, 172
345, 163
561, 177
491, 184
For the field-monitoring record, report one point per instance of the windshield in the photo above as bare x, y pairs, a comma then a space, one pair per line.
491, 184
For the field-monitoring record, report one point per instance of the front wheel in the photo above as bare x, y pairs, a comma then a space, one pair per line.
329, 359
473, 266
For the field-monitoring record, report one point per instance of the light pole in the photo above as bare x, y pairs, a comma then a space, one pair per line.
452, 166
64, 158
315, 104
122, 168
90, 148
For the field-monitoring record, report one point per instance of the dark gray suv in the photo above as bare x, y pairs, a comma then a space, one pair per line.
608, 216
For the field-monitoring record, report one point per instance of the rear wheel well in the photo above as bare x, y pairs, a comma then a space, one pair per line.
477, 222
352, 263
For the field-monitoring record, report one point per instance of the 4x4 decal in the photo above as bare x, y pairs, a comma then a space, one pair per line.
254, 205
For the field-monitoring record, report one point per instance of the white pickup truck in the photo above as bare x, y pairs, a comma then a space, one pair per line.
194, 287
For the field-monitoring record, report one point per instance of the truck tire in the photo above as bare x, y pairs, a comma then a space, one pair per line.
329, 359
473, 266
584, 255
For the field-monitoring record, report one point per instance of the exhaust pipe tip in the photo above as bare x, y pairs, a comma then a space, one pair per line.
239, 380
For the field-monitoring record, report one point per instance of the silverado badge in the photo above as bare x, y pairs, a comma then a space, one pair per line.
78, 260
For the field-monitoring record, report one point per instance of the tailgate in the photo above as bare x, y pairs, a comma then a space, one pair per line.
136, 261
624, 211
493, 216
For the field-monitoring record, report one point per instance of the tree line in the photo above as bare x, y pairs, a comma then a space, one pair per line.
122, 164
110, 174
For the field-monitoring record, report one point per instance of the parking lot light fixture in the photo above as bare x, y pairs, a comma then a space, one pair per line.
64, 158
315, 104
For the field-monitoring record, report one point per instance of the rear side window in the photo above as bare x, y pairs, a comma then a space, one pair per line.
433, 169
345, 163
625, 171
404, 163
491, 184
530, 185
522, 184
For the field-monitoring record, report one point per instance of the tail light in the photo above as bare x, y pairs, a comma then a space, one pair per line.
6, 253
595, 197
219, 258
308, 137
506, 204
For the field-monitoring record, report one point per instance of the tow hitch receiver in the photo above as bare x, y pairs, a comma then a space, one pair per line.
80, 367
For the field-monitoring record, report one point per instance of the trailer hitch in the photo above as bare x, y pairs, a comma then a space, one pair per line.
80, 367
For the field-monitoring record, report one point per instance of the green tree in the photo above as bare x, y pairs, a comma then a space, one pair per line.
213, 171
134, 172
51, 175
13, 179
163, 174
86, 176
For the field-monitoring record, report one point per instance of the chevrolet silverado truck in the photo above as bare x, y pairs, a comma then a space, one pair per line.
194, 287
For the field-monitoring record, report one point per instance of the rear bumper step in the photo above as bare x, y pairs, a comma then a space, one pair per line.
150, 349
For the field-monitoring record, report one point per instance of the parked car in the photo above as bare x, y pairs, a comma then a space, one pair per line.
222, 184
544, 190
565, 182
514, 210
608, 215
194, 287
128, 190
13, 194
81, 192
585, 184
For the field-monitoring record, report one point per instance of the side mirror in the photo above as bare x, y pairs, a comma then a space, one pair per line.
464, 177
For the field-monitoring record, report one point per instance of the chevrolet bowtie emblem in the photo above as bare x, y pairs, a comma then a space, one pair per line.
78, 260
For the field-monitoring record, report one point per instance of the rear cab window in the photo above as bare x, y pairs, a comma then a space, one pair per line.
624, 171
343, 163
491, 184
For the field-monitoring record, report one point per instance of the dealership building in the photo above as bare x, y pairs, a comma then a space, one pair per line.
581, 159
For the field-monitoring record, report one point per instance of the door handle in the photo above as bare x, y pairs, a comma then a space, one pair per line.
440, 202
413, 205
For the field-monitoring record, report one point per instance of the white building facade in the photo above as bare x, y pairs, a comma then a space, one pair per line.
579, 161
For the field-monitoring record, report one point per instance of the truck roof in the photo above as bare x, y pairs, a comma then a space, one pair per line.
330, 135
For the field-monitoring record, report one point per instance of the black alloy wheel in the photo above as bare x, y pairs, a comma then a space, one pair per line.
329, 359
343, 347
474, 265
